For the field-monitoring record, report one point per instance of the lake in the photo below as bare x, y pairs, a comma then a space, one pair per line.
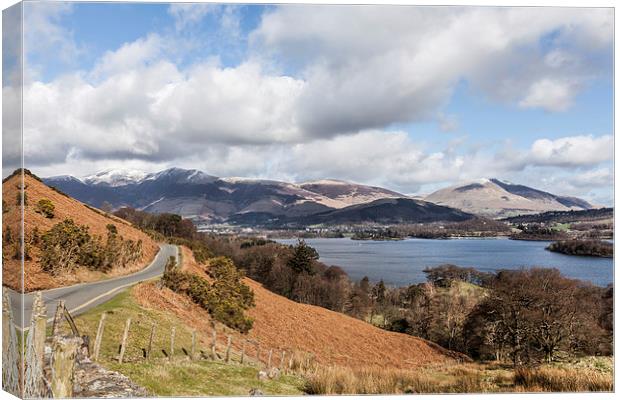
400, 263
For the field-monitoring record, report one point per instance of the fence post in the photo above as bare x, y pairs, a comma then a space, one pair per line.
124, 341
193, 354
258, 352
172, 333
60, 306
228, 348
151, 337
243, 350
35, 344
213, 344
269, 359
64, 351
99, 337
10, 355
282, 360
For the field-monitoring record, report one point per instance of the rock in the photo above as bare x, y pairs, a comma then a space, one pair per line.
274, 373
256, 392
92, 380
262, 375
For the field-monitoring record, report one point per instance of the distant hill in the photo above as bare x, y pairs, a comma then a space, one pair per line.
498, 199
347, 192
596, 214
64, 207
205, 198
389, 211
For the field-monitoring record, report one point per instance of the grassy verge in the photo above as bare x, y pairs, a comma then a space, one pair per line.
206, 378
179, 377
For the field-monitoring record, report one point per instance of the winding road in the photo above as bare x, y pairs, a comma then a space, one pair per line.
84, 296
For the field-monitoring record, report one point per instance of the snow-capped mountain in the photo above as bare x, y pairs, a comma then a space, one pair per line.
114, 177
195, 194
496, 198
206, 198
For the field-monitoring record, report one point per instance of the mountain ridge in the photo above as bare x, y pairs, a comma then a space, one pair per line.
210, 199
497, 198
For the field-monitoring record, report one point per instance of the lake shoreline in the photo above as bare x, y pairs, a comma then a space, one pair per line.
400, 263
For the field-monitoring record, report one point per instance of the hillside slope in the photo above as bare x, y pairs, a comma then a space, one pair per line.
334, 338
494, 198
64, 207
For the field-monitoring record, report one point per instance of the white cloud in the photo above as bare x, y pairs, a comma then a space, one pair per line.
369, 66
131, 55
187, 14
550, 95
599, 177
154, 110
571, 151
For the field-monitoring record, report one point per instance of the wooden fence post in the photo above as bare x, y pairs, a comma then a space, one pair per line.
99, 337
258, 352
124, 341
213, 344
282, 360
64, 351
269, 359
35, 345
10, 355
60, 307
243, 350
228, 348
150, 346
193, 353
172, 333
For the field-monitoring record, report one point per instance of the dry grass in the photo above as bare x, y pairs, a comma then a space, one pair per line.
279, 323
343, 380
65, 207
553, 379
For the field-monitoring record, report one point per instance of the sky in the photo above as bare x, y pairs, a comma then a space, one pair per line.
408, 98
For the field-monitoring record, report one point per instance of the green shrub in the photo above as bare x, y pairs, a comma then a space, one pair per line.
46, 207
62, 246
68, 245
226, 298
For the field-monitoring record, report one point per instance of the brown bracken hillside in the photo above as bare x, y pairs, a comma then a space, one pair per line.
279, 323
64, 207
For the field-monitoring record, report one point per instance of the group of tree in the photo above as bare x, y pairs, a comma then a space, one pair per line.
68, 245
576, 247
519, 316
291, 271
535, 231
224, 296
166, 224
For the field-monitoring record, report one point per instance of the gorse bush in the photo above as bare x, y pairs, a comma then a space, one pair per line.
68, 245
46, 208
225, 298
62, 247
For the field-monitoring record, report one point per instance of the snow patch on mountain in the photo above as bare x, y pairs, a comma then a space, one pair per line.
115, 177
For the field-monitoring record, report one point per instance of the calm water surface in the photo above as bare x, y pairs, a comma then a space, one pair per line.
400, 263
